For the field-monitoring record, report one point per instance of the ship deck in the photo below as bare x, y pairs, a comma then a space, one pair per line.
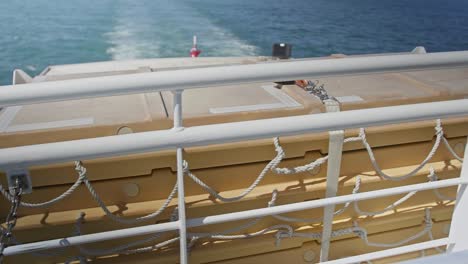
123, 121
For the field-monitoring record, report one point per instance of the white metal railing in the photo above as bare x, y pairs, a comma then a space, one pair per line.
391, 252
229, 217
226, 132
179, 137
225, 75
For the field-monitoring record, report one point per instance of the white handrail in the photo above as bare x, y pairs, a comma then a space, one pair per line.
391, 252
180, 138
224, 75
83, 149
216, 219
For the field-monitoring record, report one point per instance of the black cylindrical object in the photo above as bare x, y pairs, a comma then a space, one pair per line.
282, 50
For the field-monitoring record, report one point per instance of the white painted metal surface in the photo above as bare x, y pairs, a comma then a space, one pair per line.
391, 252
215, 76
229, 217
335, 151
178, 124
83, 149
458, 236
85, 239
460, 257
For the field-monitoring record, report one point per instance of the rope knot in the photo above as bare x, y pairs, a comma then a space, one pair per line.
174, 215
279, 150
432, 175
362, 134
274, 196
357, 184
438, 128
79, 221
185, 166
282, 234
360, 232
427, 219
192, 242
80, 168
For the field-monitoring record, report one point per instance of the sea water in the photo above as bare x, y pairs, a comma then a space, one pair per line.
38, 33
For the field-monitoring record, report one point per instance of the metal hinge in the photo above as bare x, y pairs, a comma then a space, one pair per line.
20, 176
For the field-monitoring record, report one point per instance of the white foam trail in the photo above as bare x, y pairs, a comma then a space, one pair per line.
31, 68
220, 42
126, 44
165, 29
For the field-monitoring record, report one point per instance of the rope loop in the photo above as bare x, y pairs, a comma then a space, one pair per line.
80, 168
433, 177
288, 233
283, 231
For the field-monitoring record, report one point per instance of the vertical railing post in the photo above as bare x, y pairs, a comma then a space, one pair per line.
459, 227
178, 125
335, 150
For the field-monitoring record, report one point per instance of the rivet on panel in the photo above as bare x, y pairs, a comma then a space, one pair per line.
131, 189
124, 130
309, 255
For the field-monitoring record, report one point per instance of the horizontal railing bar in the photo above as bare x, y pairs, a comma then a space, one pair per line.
216, 219
209, 220
119, 145
390, 252
223, 75
451, 257
90, 238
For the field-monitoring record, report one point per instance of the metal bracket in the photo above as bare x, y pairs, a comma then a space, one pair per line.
21, 176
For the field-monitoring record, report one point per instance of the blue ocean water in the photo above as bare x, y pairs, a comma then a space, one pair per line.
37, 33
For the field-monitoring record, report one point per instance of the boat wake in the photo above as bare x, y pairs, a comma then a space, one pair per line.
145, 30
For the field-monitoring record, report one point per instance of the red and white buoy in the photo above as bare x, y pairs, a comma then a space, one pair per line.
194, 51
